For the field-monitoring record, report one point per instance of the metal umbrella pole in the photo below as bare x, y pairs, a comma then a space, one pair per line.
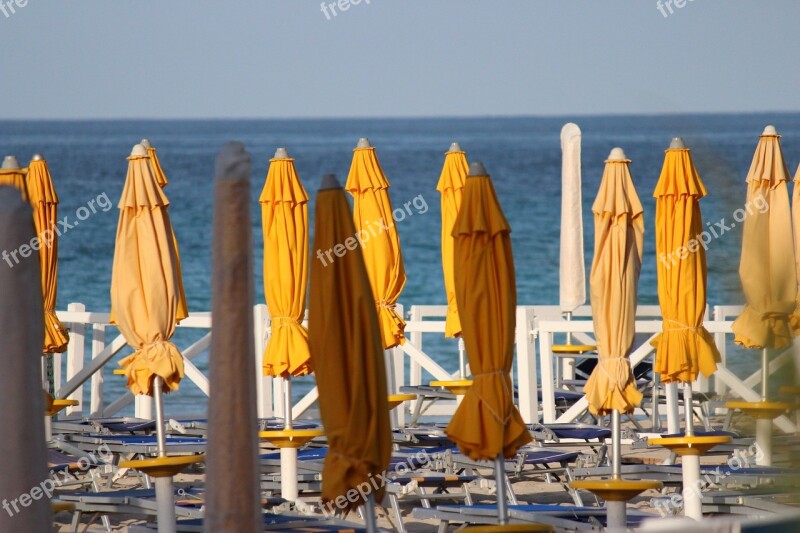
690, 465
164, 486
500, 481
462, 358
288, 454
764, 424
616, 510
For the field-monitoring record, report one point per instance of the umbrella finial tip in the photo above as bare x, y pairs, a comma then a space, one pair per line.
37, 157
617, 154
329, 181
281, 153
770, 130
138, 150
146, 143
363, 142
455, 147
10, 163
233, 162
477, 169
677, 143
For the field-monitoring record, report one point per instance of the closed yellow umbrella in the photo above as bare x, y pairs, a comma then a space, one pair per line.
487, 424
794, 320
347, 356
12, 174
144, 280
767, 266
161, 178
380, 243
451, 186
618, 241
284, 219
685, 348
44, 201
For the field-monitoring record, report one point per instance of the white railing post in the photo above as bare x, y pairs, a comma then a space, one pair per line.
414, 368
263, 383
75, 353
546, 366
527, 385
719, 338
96, 403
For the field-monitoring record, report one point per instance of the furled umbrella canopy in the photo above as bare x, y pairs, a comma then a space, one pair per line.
284, 219
43, 198
347, 356
767, 266
161, 178
794, 320
572, 269
12, 174
378, 238
451, 186
613, 281
685, 348
144, 280
486, 424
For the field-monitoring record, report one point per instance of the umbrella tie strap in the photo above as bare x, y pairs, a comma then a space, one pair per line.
281, 321
681, 326
492, 373
385, 304
622, 370
774, 315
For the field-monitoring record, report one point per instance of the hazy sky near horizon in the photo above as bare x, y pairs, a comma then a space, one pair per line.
287, 58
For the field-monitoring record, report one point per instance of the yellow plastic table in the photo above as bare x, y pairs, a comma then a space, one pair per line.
459, 387
59, 405
573, 348
690, 445
760, 410
397, 399
163, 466
290, 438
59, 506
615, 490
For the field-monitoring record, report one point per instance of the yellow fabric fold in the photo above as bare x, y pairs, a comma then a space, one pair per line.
158, 171
44, 200
451, 186
794, 319
618, 245
284, 220
487, 423
380, 242
767, 265
684, 349
160, 358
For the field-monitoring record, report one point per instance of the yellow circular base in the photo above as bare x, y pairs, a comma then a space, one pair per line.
119, 372
689, 445
397, 399
763, 410
59, 506
163, 466
789, 390
59, 405
459, 387
573, 348
510, 528
615, 490
290, 438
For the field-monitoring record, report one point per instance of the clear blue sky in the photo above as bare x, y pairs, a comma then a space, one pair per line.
286, 58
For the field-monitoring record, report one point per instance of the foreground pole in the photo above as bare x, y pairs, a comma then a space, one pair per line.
23, 443
232, 472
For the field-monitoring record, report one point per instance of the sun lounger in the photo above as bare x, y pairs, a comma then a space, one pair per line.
274, 522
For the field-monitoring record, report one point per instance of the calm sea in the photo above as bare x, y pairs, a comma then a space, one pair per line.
523, 156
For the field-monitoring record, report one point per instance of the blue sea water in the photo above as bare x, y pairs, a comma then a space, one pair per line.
88, 160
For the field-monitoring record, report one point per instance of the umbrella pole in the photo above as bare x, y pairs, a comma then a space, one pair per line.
164, 487
288, 455
764, 425
462, 360
673, 412
369, 514
617, 513
690, 464
500, 482
764, 375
